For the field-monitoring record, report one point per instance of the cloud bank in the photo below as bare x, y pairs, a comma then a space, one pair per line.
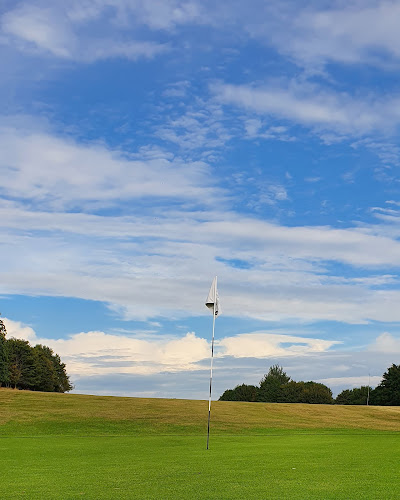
148, 365
99, 353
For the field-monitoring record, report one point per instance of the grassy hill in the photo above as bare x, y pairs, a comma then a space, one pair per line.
51, 413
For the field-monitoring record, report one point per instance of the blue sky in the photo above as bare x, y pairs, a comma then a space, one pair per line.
148, 146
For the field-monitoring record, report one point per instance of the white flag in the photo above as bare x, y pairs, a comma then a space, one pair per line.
213, 298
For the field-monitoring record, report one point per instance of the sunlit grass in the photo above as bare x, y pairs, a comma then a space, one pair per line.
63, 446
38, 411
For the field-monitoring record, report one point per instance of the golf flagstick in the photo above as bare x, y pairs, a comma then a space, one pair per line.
212, 303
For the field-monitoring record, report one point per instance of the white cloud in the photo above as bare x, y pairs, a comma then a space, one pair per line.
312, 36
18, 330
351, 382
386, 343
201, 128
98, 353
351, 34
41, 27
316, 34
313, 106
168, 366
256, 129
131, 263
56, 171
95, 353
252, 126
264, 345
55, 30
155, 14
387, 152
177, 89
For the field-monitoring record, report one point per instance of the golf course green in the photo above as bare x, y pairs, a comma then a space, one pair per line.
66, 446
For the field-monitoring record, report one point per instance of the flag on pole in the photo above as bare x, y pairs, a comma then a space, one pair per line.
213, 298
212, 303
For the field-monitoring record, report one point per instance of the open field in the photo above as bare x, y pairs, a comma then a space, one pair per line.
73, 446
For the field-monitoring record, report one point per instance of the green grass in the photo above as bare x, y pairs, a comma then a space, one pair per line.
55, 446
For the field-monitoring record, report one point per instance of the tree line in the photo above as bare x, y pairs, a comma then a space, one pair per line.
277, 387
35, 368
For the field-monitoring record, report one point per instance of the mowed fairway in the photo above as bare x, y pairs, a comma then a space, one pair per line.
72, 446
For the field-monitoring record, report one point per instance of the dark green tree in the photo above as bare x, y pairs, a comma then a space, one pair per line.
271, 385
240, 393
277, 387
388, 391
21, 364
316, 393
356, 396
50, 372
228, 395
63, 382
305, 392
3, 331
291, 392
35, 368
3, 355
46, 379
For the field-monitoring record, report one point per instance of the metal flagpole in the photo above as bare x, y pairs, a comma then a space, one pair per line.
212, 357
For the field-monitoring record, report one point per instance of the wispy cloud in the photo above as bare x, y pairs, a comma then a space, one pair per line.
262, 345
40, 27
130, 262
314, 106
318, 34
55, 171
312, 36
256, 129
201, 129
45, 28
352, 33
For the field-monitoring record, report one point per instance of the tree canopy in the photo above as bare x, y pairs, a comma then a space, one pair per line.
277, 387
271, 384
387, 393
3, 357
35, 368
305, 392
3, 331
356, 396
241, 393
